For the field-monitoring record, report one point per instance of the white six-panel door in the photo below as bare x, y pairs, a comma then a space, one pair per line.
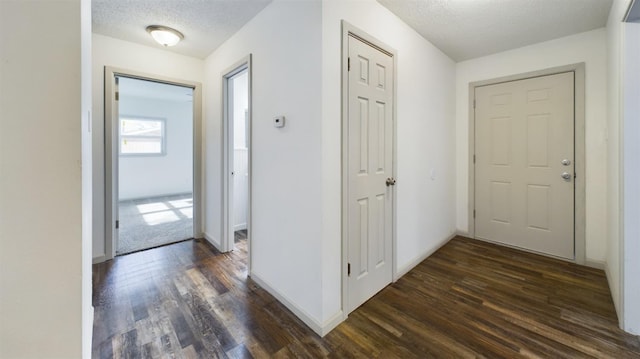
370, 164
524, 169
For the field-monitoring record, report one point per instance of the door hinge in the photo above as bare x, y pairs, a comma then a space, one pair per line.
117, 224
117, 96
474, 213
348, 64
474, 159
348, 269
474, 103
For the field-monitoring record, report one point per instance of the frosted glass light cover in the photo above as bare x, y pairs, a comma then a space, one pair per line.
164, 35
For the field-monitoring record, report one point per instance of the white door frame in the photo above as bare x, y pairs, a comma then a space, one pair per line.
111, 151
227, 241
350, 30
579, 136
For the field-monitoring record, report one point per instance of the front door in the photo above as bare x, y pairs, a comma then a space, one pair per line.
370, 164
524, 164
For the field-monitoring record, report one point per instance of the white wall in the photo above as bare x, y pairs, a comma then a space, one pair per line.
107, 51
171, 173
614, 69
42, 269
631, 177
588, 47
425, 141
285, 40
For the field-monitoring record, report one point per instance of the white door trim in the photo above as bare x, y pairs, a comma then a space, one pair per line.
227, 180
350, 30
111, 151
579, 135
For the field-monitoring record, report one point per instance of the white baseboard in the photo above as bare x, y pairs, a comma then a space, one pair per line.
319, 328
214, 242
332, 322
619, 309
239, 227
99, 259
417, 260
595, 264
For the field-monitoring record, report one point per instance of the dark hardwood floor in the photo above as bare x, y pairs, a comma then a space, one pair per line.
470, 299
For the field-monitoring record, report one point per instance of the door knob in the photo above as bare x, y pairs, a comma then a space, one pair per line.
565, 162
566, 176
391, 181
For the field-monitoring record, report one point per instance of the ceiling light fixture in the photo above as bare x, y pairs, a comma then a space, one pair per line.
165, 36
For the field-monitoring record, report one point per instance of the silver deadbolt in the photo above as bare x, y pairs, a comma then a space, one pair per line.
565, 162
391, 181
566, 176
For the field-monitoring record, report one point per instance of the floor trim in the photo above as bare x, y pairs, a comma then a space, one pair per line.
215, 243
419, 259
317, 327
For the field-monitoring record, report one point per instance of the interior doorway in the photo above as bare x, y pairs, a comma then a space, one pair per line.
237, 153
155, 164
152, 161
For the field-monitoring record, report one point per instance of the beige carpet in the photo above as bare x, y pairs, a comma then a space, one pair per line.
152, 222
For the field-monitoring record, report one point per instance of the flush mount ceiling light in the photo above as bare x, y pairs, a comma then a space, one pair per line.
165, 36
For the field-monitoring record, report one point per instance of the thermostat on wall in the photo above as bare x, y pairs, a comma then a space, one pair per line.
278, 121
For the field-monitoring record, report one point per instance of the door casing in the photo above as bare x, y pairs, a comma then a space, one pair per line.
350, 30
579, 136
111, 150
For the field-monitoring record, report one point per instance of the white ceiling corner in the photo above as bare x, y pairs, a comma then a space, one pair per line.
206, 24
466, 29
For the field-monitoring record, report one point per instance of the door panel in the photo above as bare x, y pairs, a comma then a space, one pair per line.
370, 155
524, 131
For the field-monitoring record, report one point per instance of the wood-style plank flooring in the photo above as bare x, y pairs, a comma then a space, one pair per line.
470, 299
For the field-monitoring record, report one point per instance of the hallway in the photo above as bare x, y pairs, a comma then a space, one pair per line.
469, 299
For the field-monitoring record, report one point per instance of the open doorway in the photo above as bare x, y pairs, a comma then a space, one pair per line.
155, 164
152, 161
237, 114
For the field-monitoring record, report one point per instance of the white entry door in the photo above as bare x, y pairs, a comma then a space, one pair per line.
524, 171
370, 166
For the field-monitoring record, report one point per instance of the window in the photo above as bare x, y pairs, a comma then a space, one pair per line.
142, 136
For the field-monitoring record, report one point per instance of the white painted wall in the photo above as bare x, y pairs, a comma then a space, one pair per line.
285, 40
107, 51
588, 47
425, 141
171, 173
631, 177
614, 262
43, 266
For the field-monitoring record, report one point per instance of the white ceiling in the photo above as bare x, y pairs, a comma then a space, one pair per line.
463, 29
466, 29
206, 24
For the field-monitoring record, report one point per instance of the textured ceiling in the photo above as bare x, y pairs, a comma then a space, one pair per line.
466, 29
206, 24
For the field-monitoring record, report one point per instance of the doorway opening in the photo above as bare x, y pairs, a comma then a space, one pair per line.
237, 157
152, 161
